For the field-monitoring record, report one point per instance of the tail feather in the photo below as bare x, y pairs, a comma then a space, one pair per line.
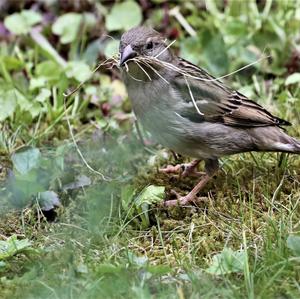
296, 143
275, 139
293, 146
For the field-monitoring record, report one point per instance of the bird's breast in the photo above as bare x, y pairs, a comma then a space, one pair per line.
147, 97
153, 104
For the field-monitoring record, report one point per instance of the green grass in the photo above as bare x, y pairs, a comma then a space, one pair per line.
107, 239
93, 253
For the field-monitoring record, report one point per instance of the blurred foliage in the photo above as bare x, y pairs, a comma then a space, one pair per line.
226, 262
12, 246
123, 16
139, 204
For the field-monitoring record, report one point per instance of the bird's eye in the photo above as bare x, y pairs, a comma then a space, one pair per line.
149, 45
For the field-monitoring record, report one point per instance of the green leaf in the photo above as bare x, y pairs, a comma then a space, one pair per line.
37, 83
43, 95
124, 16
127, 195
23, 187
12, 99
92, 51
190, 48
8, 103
78, 70
293, 243
150, 195
48, 69
12, 63
68, 25
111, 48
228, 261
12, 246
22, 101
35, 109
235, 29
214, 53
293, 79
45, 47
21, 23
26, 159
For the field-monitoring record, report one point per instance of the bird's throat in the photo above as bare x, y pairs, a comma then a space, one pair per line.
142, 72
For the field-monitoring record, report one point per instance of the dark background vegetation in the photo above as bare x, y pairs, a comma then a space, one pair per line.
78, 214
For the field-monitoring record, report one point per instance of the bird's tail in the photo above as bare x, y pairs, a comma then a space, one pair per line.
296, 145
287, 144
275, 139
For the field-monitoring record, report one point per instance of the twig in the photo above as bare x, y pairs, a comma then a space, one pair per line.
177, 69
70, 127
175, 12
93, 72
127, 71
77, 148
156, 72
192, 96
166, 48
138, 64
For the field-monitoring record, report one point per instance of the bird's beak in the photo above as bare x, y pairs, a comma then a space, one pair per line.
127, 53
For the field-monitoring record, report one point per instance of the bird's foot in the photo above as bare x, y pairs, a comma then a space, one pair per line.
171, 169
191, 197
190, 170
181, 200
183, 170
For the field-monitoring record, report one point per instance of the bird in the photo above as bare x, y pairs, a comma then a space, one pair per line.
191, 112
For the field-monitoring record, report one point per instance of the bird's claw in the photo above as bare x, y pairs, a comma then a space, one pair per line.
189, 170
171, 169
180, 200
183, 170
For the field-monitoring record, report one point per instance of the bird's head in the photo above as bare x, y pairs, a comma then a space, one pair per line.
143, 42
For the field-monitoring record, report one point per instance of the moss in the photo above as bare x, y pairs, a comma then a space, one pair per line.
229, 205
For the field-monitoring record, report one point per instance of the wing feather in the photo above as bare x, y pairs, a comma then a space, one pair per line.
218, 102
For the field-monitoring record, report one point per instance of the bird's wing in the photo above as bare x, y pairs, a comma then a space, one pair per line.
215, 101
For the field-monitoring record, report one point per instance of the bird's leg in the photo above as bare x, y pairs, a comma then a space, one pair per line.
186, 169
175, 156
211, 166
183, 200
190, 169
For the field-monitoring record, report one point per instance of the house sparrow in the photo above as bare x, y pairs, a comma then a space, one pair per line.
192, 113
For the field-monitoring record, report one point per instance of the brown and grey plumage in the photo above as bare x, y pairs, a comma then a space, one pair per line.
189, 111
